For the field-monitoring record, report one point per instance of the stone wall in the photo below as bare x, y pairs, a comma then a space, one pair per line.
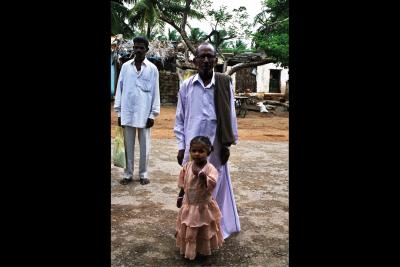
169, 87
245, 80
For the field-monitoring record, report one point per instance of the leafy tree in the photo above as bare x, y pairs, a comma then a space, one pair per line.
145, 15
176, 13
273, 34
240, 45
119, 13
236, 47
196, 35
226, 25
173, 35
151, 15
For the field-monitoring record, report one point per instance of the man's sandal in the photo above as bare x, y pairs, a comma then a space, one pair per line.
144, 181
125, 181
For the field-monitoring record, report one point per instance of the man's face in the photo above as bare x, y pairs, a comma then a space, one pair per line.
140, 50
205, 60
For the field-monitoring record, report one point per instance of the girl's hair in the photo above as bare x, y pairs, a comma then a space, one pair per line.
204, 140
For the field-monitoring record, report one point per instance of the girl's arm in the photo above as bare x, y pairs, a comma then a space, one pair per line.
209, 176
181, 178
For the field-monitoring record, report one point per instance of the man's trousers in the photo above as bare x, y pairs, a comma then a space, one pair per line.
144, 144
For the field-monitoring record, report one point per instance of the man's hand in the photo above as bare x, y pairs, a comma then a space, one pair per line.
149, 123
119, 122
180, 198
181, 154
225, 153
179, 202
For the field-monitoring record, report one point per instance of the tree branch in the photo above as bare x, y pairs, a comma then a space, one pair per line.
271, 26
189, 44
169, 21
249, 65
210, 34
277, 22
185, 14
229, 37
183, 34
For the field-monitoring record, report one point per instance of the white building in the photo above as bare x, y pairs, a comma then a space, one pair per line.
268, 78
263, 74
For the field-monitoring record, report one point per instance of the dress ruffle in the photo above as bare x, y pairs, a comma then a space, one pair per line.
198, 215
193, 240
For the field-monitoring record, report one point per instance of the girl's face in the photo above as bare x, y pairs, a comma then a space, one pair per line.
198, 152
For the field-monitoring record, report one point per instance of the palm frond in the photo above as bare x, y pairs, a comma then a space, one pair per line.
176, 9
118, 15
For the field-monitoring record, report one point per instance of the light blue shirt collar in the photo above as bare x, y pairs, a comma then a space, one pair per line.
198, 79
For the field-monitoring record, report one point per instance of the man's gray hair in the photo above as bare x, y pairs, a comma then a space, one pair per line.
206, 43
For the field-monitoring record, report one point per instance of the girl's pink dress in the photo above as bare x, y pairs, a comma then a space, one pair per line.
198, 223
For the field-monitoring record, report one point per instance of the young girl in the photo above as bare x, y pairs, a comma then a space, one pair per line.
198, 223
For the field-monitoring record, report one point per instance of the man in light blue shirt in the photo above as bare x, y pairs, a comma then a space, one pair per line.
137, 103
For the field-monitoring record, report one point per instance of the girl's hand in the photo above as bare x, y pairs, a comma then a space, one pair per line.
195, 169
202, 176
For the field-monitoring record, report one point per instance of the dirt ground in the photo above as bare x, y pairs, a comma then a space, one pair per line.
255, 126
143, 217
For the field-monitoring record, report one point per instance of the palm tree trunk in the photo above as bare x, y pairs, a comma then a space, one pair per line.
148, 31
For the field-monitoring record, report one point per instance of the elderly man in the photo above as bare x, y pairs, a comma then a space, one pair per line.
206, 107
137, 103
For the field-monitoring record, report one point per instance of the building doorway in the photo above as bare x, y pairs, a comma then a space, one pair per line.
274, 81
